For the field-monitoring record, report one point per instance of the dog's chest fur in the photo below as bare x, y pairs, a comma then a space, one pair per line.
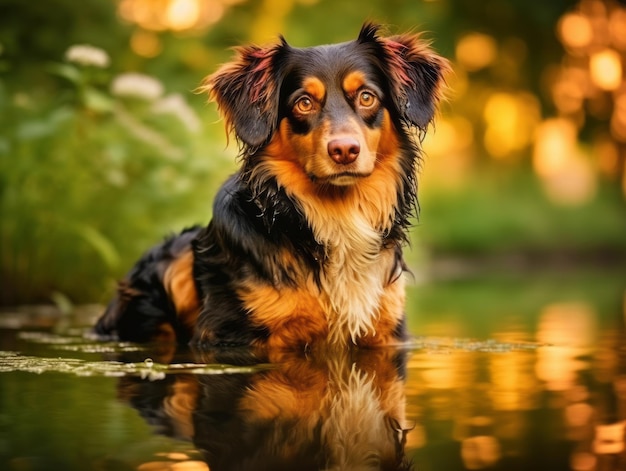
355, 271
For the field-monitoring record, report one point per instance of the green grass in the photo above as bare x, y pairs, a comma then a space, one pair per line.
508, 212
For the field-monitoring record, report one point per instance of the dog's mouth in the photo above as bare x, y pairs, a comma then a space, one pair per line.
340, 179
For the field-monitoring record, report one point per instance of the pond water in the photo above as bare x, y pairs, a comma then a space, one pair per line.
505, 373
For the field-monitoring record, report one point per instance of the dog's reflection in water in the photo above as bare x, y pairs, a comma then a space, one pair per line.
337, 410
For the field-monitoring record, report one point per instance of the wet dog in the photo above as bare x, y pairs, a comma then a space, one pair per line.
305, 243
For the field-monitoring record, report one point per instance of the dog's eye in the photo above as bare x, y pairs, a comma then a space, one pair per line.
367, 99
304, 105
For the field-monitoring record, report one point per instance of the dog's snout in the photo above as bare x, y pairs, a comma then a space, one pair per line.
344, 150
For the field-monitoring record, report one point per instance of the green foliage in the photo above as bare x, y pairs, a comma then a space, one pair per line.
505, 213
89, 178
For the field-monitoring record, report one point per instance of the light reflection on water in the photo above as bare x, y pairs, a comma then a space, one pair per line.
505, 379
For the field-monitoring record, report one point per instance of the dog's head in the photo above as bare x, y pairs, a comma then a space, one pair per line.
334, 109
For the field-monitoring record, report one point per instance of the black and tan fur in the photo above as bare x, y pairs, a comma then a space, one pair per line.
305, 244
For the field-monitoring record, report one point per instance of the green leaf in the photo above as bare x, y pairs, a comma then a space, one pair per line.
97, 101
99, 242
66, 71
35, 129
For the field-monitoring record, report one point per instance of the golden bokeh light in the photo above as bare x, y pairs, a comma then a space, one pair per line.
480, 452
475, 51
511, 121
555, 142
567, 330
575, 30
609, 438
570, 90
442, 373
183, 14
174, 15
578, 414
145, 43
514, 386
566, 173
606, 69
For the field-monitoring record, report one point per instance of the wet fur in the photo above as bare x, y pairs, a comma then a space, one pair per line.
304, 246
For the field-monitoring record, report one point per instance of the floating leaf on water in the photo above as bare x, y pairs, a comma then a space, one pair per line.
152, 375
48, 338
114, 373
181, 366
84, 373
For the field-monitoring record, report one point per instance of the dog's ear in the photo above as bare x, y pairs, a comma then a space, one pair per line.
246, 91
415, 72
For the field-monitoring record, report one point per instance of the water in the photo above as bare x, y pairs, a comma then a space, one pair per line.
505, 373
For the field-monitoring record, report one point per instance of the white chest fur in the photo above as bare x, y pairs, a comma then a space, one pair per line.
354, 275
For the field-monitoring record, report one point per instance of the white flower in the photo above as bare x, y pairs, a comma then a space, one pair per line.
137, 86
178, 107
85, 54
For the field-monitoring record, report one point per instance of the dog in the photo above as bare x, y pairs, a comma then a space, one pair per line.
305, 243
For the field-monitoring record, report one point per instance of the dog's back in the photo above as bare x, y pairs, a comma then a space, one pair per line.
143, 309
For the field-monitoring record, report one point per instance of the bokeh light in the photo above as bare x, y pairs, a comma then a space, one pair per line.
566, 173
606, 69
511, 120
476, 51
575, 30
174, 15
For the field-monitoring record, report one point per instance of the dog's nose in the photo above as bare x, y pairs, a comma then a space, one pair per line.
344, 150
